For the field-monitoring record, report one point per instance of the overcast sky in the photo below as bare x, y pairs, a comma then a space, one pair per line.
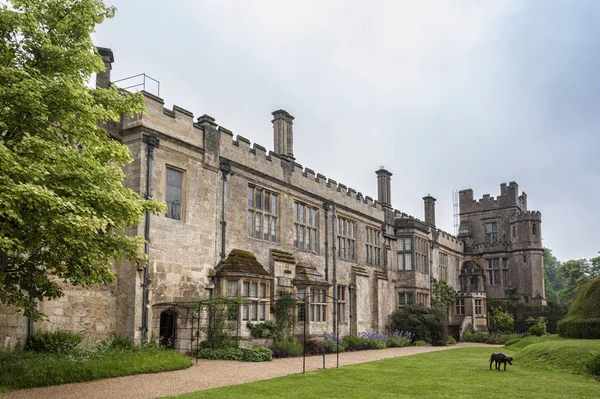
447, 95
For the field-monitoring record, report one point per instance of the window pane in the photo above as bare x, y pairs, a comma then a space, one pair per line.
257, 225
301, 236
250, 197
296, 235
263, 307
250, 223
258, 199
313, 241
296, 212
273, 229
408, 261
263, 290
254, 311
314, 217
301, 213
274, 204
232, 288
407, 244
245, 289
266, 228
173, 197
254, 292
267, 201
400, 261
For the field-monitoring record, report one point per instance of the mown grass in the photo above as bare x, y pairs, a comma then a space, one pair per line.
457, 373
22, 369
554, 353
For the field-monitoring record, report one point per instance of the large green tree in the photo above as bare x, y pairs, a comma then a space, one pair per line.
63, 205
576, 273
553, 280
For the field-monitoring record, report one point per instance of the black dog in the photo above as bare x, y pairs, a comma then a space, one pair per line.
499, 357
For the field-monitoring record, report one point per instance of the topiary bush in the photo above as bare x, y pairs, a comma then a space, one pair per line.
427, 324
583, 319
220, 354
59, 341
420, 343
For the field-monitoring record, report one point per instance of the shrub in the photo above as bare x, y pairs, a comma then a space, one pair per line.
538, 329
399, 339
59, 341
420, 343
593, 365
268, 329
427, 324
220, 354
314, 347
286, 348
259, 354
332, 345
451, 341
583, 319
502, 321
487, 338
117, 342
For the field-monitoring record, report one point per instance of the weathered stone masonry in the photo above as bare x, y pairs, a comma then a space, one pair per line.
384, 258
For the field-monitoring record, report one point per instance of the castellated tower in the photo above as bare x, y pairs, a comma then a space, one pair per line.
505, 239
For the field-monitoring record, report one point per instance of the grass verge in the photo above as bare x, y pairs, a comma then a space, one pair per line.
19, 370
460, 373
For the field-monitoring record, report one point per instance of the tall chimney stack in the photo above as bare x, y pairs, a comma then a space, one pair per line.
283, 133
429, 210
103, 78
384, 187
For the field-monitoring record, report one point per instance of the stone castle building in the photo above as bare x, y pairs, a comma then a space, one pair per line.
244, 221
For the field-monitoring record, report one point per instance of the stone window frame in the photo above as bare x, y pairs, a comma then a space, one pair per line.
460, 307
505, 273
403, 299
372, 246
271, 214
317, 304
534, 229
492, 269
306, 220
341, 303
491, 236
171, 212
256, 309
443, 266
405, 253
233, 290
478, 307
346, 239
422, 299
421, 254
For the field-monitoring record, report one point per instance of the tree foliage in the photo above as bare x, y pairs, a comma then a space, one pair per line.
553, 282
63, 206
443, 295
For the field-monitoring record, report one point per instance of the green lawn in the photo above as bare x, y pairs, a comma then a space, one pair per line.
457, 373
23, 369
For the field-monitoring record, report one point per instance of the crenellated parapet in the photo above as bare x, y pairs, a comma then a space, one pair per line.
509, 198
532, 216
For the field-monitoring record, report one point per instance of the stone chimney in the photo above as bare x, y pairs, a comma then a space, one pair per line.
283, 133
429, 210
384, 187
103, 78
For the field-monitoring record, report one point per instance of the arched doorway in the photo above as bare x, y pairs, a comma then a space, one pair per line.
168, 328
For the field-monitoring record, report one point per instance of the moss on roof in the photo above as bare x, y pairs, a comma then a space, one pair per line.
282, 256
308, 274
239, 261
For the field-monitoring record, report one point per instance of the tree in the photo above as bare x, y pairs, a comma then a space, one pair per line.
63, 205
553, 281
443, 295
576, 273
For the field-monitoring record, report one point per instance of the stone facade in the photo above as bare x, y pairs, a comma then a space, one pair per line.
250, 222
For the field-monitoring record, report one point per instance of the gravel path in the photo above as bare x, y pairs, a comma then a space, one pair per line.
209, 374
